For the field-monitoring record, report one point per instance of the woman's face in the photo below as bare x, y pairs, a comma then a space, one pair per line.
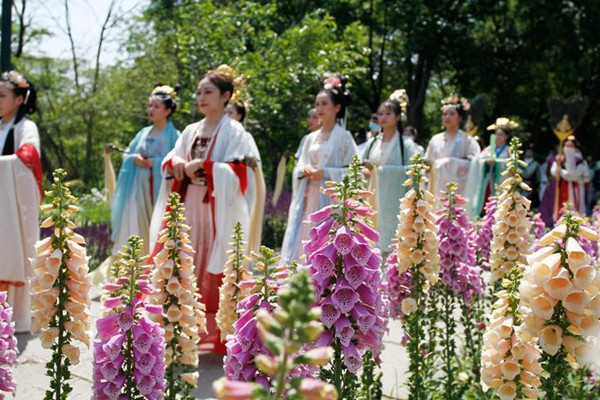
326, 110
232, 112
157, 111
387, 118
450, 118
9, 103
209, 98
313, 121
501, 138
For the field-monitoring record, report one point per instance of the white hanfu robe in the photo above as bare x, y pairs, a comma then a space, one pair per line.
387, 177
332, 156
450, 159
19, 214
212, 210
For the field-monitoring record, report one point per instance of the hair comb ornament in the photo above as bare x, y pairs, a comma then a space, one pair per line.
504, 124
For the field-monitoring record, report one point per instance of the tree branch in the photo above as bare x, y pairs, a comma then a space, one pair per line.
73, 52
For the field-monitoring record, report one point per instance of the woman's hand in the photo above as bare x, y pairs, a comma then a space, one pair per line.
178, 164
192, 166
140, 161
559, 159
313, 174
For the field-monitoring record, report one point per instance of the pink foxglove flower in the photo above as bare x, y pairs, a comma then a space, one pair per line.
60, 299
180, 312
231, 293
459, 272
129, 350
560, 298
510, 358
8, 347
418, 263
345, 265
512, 237
483, 237
244, 344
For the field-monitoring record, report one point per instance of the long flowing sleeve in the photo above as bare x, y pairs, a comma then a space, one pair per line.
348, 151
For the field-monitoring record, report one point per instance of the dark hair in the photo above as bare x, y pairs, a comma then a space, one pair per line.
240, 108
222, 80
396, 108
412, 130
166, 98
361, 136
339, 95
21, 86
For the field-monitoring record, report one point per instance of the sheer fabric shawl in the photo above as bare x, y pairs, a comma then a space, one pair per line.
338, 155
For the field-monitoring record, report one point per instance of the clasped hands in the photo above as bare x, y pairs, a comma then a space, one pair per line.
312, 173
182, 168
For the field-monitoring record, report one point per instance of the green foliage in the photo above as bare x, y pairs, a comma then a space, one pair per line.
516, 52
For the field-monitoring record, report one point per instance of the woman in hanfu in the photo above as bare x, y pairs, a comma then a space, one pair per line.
486, 170
323, 155
140, 175
209, 169
21, 181
574, 175
450, 152
386, 157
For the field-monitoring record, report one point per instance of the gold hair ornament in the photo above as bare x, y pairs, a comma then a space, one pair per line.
401, 97
504, 124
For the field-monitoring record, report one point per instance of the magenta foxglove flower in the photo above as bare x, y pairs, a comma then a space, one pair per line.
8, 347
458, 269
126, 333
345, 264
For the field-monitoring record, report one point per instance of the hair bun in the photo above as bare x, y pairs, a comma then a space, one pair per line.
226, 72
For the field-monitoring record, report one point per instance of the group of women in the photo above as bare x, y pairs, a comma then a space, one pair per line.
214, 164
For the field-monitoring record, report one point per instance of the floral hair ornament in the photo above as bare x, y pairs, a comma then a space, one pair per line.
504, 124
456, 102
401, 97
332, 83
164, 92
16, 80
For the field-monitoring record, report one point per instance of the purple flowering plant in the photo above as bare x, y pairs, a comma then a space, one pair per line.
460, 281
345, 265
245, 343
129, 350
286, 332
8, 348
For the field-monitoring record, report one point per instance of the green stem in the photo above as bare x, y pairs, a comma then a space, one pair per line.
283, 369
448, 340
337, 365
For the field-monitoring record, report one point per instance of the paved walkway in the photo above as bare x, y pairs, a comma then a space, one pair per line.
32, 381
